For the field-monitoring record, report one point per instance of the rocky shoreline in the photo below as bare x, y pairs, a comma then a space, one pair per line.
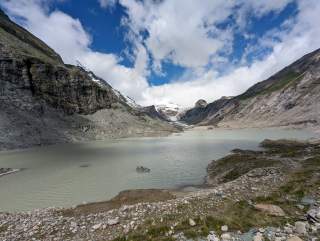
278, 201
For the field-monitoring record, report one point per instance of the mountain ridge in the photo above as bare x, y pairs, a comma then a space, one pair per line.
289, 97
44, 101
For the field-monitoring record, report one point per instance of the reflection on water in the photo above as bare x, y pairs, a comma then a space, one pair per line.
66, 175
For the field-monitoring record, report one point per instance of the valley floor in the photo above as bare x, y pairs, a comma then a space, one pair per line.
271, 194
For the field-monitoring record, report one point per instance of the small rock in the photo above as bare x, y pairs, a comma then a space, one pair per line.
300, 227
294, 238
258, 237
96, 226
113, 221
301, 207
272, 210
192, 222
212, 237
226, 237
261, 230
224, 228
288, 230
308, 201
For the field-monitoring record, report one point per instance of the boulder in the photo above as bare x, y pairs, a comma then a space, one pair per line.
226, 237
142, 169
300, 227
270, 209
294, 238
201, 104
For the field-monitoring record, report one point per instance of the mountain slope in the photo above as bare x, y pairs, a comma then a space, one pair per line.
44, 101
290, 97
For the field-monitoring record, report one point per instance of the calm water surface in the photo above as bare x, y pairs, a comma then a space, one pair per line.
55, 175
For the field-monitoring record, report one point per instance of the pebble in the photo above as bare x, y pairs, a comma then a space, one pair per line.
300, 227
224, 228
192, 223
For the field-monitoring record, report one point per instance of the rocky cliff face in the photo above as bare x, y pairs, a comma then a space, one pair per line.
44, 101
154, 113
290, 97
201, 112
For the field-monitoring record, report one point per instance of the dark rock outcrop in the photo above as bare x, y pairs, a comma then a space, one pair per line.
198, 114
152, 112
201, 104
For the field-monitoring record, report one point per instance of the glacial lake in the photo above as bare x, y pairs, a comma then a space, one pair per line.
70, 174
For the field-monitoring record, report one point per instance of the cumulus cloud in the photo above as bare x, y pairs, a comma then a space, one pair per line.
183, 33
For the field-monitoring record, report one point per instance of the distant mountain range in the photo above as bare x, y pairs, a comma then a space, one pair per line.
44, 101
290, 97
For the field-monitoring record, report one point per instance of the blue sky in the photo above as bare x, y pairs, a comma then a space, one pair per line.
174, 50
109, 35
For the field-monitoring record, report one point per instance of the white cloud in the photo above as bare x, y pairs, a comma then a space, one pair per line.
178, 33
107, 3
182, 32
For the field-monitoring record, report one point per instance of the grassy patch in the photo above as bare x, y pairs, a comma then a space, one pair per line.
235, 165
3, 228
286, 148
281, 82
289, 78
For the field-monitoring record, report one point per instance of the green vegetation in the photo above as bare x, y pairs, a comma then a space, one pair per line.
289, 78
281, 82
3, 228
235, 165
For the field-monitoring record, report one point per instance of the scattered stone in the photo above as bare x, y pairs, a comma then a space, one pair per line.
224, 228
226, 237
142, 169
301, 207
113, 221
258, 237
192, 223
270, 209
308, 201
294, 238
300, 227
212, 237
96, 226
